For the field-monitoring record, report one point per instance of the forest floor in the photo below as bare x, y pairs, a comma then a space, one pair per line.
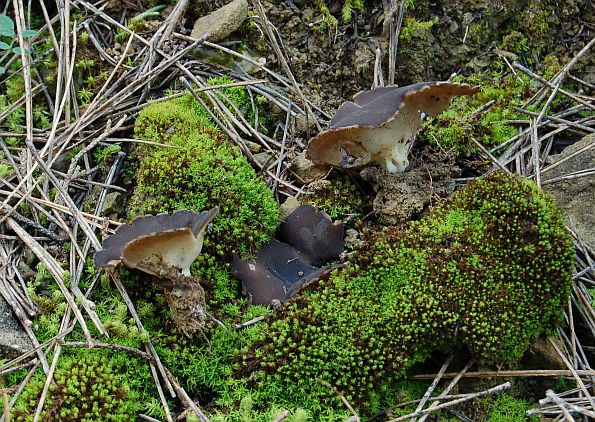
75, 77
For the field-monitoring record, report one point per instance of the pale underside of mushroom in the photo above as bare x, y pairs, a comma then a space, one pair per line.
177, 248
379, 126
165, 246
153, 244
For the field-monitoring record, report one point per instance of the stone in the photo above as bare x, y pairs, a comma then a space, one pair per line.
113, 204
306, 170
402, 196
287, 207
575, 196
222, 22
13, 339
542, 355
264, 158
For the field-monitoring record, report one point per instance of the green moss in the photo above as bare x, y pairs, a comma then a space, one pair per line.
329, 20
406, 391
200, 172
458, 125
551, 65
5, 169
515, 42
349, 8
488, 271
538, 19
506, 408
339, 198
125, 368
86, 387
413, 28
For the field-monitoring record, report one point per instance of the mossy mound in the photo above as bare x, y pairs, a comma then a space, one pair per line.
340, 198
489, 271
457, 126
85, 388
201, 171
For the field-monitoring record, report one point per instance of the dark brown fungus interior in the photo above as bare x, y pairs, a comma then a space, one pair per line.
280, 270
313, 233
274, 271
151, 241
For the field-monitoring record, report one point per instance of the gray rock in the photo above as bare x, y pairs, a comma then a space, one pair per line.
306, 170
401, 196
542, 355
113, 204
13, 339
264, 158
575, 196
222, 22
287, 207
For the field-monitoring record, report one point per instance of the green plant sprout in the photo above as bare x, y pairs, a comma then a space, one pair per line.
5, 169
152, 12
137, 22
84, 95
85, 64
7, 31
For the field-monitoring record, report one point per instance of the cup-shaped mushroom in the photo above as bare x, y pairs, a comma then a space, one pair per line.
379, 126
150, 243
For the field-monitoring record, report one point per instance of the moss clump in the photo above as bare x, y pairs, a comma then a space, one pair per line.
201, 172
455, 127
339, 198
162, 121
414, 28
488, 271
506, 408
85, 387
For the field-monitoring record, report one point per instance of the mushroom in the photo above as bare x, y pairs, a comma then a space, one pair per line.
313, 233
280, 270
165, 246
151, 243
380, 125
277, 268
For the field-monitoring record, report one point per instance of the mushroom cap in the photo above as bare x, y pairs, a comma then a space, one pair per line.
280, 270
273, 273
313, 233
174, 240
368, 127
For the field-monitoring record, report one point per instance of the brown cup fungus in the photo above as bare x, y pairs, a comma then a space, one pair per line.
164, 246
283, 268
379, 125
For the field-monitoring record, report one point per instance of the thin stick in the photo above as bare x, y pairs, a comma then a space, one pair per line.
55, 270
489, 154
282, 416
341, 396
523, 374
448, 389
575, 372
17, 394
563, 404
545, 82
535, 148
471, 396
395, 32
434, 384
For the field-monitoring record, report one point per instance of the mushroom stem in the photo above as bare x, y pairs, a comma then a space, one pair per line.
397, 161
